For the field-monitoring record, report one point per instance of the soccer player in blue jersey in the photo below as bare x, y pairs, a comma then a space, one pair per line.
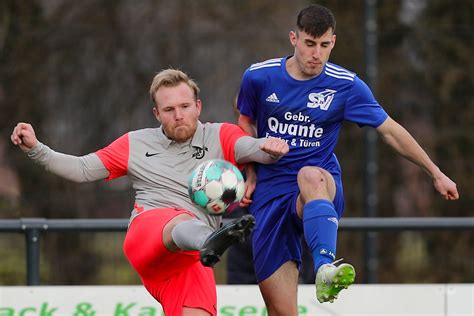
303, 99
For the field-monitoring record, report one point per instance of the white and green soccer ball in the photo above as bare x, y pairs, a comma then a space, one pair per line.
216, 185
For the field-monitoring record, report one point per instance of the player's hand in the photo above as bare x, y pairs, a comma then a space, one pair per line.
250, 183
23, 136
275, 147
446, 187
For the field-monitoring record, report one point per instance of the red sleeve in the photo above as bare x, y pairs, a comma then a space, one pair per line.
115, 157
229, 134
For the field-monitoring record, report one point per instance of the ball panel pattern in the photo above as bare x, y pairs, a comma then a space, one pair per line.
216, 185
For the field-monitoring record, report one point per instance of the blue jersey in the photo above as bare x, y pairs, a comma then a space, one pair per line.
306, 114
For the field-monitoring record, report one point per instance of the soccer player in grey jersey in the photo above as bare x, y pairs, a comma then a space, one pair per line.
166, 230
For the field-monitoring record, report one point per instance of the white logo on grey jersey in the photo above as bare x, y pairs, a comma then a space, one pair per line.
200, 152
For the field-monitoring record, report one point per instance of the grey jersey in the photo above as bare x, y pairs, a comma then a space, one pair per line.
159, 167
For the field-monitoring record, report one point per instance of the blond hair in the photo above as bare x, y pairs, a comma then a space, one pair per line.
171, 78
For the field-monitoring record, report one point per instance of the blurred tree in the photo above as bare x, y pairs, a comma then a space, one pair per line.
79, 71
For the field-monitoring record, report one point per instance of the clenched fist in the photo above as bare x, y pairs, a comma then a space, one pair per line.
23, 136
275, 147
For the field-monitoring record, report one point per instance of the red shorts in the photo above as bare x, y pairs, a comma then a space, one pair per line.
175, 279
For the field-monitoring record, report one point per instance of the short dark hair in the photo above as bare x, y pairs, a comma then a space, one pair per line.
316, 20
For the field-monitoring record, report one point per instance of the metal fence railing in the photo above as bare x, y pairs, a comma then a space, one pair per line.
33, 228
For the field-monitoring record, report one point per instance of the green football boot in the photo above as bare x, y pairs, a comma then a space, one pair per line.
332, 279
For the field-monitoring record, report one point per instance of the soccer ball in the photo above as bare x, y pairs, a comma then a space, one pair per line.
216, 185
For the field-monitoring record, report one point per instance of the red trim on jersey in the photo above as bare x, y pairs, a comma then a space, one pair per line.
138, 208
229, 134
115, 157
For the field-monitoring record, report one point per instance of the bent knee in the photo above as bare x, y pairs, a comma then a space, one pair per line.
313, 176
315, 183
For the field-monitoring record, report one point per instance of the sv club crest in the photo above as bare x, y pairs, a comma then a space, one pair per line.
321, 100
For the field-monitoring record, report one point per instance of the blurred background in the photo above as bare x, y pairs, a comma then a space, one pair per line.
80, 71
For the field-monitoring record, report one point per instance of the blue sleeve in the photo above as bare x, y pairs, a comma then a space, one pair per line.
247, 100
361, 106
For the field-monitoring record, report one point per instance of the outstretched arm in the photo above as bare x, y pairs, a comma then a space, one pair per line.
402, 141
262, 150
77, 169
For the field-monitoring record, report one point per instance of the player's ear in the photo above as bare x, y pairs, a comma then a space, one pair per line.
199, 106
292, 37
156, 113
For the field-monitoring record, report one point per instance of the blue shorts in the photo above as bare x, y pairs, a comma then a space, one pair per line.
276, 237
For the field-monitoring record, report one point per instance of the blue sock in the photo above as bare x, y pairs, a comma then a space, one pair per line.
320, 231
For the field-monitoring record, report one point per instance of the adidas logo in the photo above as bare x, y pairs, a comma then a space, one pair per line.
327, 252
272, 98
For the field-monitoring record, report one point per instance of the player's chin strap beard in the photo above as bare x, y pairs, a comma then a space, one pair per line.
177, 140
